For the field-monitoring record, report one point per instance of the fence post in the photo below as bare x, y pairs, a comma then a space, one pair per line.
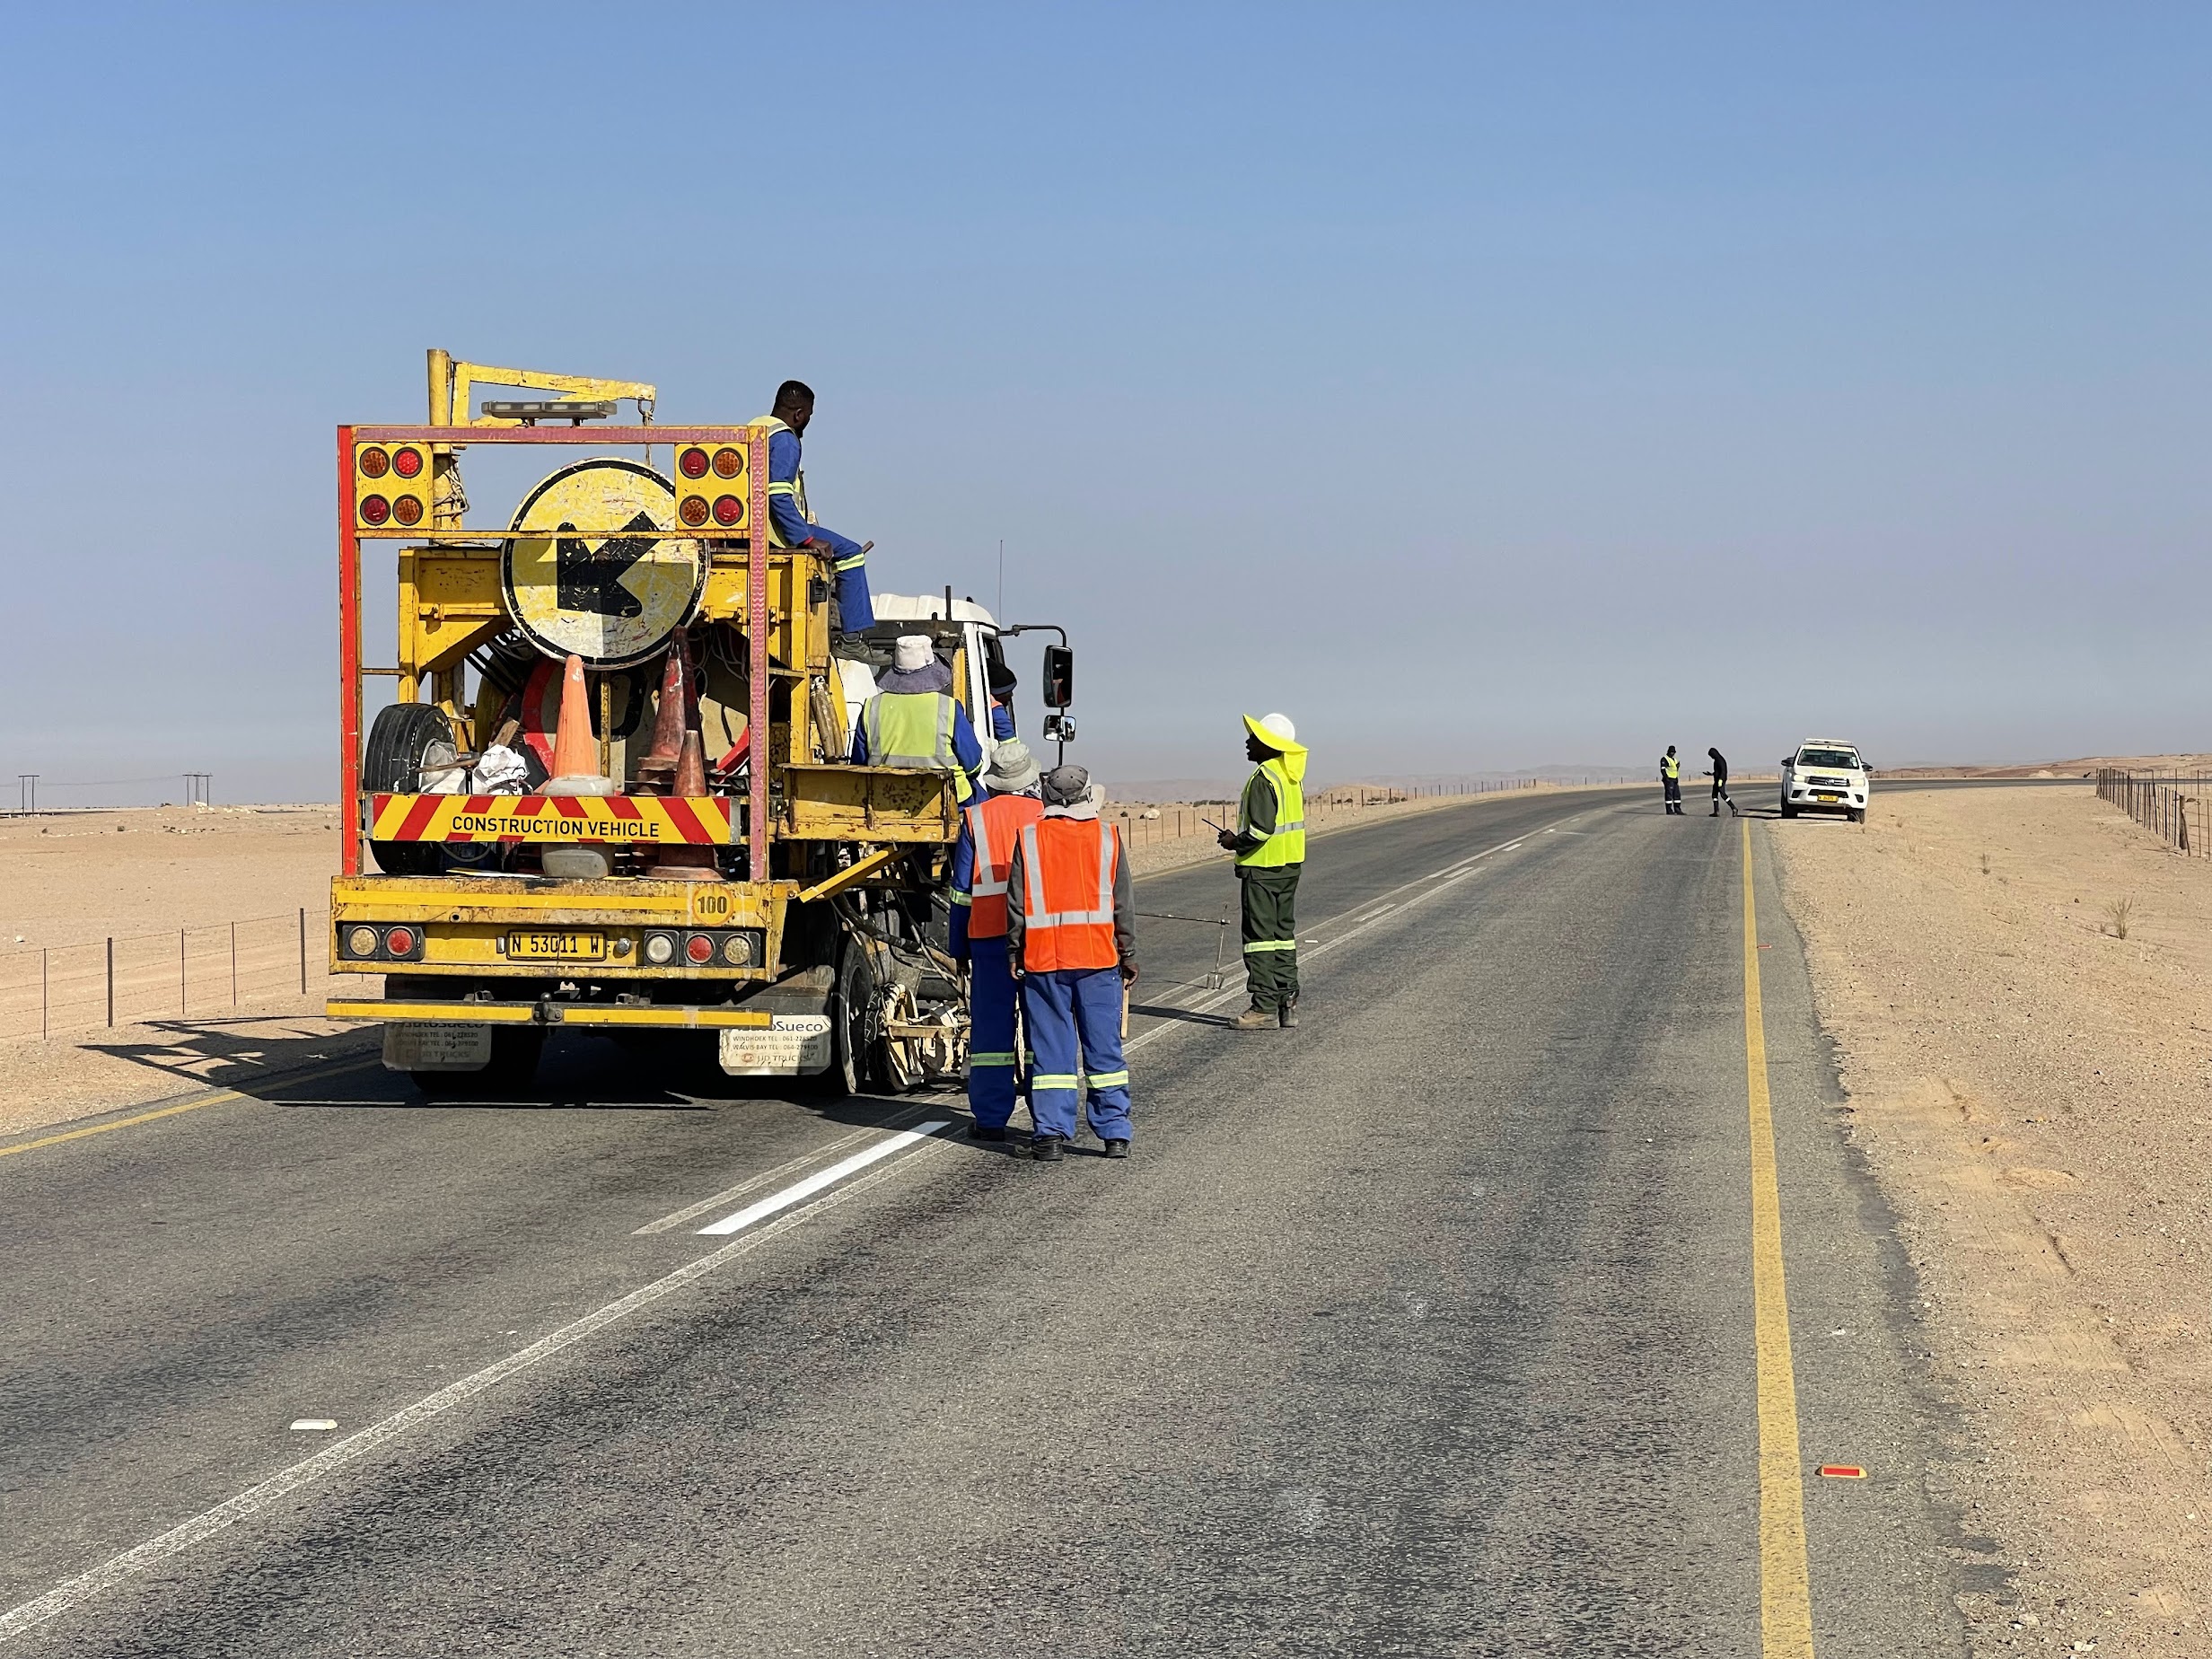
112, 982
302, 949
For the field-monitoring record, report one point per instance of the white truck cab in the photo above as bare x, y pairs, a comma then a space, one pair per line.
1825, 775
963, 627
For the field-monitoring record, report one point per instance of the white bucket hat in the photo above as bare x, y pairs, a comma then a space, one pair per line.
912, 652
1012, 768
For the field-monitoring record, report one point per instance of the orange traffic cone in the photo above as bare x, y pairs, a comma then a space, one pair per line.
575, 752
659, 766
686, 861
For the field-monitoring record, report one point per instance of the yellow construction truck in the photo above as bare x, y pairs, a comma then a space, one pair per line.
723, 870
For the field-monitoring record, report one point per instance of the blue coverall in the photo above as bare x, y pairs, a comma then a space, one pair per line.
856, 608
1074, 1019
993, 1082
1074, 1024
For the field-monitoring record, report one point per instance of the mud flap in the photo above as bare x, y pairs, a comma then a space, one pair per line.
435, 1046
795, 1045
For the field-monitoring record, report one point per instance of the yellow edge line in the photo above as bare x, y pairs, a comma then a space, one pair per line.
1785, 1592
222, 1097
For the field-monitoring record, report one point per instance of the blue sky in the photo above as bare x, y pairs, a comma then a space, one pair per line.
1486, 387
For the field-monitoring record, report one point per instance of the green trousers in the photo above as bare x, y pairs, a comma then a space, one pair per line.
1271, 933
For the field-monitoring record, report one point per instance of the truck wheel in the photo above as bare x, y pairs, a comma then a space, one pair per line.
1858, 814
405, 740
1788, 811
849, 1005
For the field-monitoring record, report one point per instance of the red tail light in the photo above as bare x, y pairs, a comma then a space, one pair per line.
400, 941
408, 510
699, 948
692, 463
728, 463
728, 510
373, 462
374, 509
406, 462
693, 512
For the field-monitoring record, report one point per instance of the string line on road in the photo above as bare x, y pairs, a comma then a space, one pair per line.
1785, 1592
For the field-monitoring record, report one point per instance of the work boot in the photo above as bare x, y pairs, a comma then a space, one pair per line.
1046, 1149
1253, 1019
985, 1132
1286, 1015
1716, 809
1117, 1149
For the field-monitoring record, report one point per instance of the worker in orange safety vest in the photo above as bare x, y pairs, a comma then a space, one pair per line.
1072, 936
989, 831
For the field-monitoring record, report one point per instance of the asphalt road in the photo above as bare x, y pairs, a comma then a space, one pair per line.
1424, 1329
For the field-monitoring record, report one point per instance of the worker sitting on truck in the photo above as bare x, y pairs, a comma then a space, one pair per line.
989, 831
913, 720
789, 525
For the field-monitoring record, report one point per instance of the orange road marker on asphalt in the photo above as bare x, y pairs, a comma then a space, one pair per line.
1843, 1472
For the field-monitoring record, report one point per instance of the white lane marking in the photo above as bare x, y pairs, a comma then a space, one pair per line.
76, 1592
799, 1191
313, 1426
668, 1223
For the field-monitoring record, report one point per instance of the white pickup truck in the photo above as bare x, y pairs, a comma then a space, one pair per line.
1825, 775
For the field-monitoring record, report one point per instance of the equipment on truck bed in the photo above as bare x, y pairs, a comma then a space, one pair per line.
712, 869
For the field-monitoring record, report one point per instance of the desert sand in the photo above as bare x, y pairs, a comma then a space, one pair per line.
2030, 1089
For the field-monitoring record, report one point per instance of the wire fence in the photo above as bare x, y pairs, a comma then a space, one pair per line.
161, 976
2171, 808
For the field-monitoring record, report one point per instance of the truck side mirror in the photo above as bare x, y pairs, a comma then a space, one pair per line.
1059, 689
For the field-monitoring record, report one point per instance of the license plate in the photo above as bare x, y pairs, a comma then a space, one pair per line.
1828, 800
558, 947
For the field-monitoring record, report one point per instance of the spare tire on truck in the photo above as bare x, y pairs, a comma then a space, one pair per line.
408, 741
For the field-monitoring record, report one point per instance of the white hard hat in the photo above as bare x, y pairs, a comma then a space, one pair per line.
912, 652
1278, 725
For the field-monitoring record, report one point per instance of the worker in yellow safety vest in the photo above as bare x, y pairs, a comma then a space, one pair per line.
1269, 845
791, 525
1670, 781
913, 720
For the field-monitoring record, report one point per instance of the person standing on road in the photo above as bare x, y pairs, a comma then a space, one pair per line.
1071, 933
1719, 774
789, 524
1269, 845
983, 859
1670, 781
913, 720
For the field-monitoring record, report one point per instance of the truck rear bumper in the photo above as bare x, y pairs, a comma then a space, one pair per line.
547, 1011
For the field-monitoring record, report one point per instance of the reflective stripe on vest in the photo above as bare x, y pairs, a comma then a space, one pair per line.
1054, 938
1669, 765
986, 886
795, 488
1285, 843
914, 730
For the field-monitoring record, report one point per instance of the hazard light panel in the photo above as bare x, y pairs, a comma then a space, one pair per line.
714, 493
391, 485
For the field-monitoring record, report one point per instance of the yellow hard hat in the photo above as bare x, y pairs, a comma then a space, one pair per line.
1276, 732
